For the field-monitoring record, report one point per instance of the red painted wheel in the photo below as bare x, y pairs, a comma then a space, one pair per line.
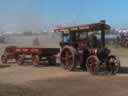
20, 60
68, 55
113, 64
4, 59
35, 60
92, 64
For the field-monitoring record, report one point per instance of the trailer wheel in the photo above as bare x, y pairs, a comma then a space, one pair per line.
20, 60
92, 64
4, 59
113, 64
68, 56
35, 60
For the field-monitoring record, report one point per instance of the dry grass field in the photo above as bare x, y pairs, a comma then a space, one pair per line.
28, 80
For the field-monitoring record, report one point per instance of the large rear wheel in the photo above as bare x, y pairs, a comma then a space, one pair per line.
68, 56
92, 64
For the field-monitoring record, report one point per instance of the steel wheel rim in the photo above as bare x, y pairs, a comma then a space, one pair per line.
67, 58
115, 63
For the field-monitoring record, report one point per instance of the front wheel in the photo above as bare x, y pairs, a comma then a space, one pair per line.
113, 64
92, 64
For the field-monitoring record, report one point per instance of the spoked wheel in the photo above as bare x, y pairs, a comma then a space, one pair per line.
20, 60
92, 64
35, 60
68, 55
4, 59
113, 64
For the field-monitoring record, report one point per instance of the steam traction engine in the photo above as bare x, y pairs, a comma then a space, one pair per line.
85, 46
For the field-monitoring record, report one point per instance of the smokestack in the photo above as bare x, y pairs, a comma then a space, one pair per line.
103, 22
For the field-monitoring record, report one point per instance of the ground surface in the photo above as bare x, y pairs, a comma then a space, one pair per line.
28, 80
